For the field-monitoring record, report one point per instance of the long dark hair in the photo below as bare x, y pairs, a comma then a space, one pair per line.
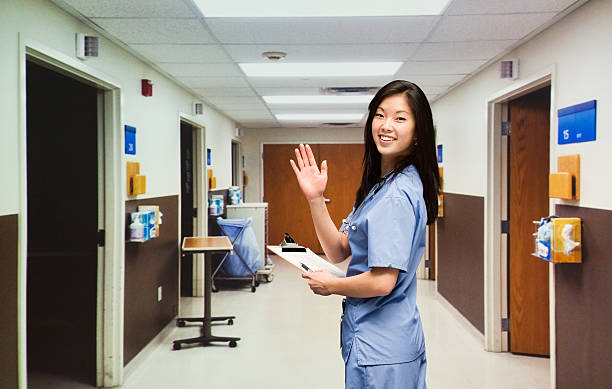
423, 155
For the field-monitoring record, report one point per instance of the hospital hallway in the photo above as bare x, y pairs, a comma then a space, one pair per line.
290, 338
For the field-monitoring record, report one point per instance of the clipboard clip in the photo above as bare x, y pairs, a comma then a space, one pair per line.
289, 245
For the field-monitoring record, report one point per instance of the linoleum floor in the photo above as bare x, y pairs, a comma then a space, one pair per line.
290, 339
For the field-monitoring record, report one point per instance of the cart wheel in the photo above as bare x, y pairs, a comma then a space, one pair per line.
233, 343
230, 322
256, 283
253, 289
269, 277
176, 346
214, 289
180, 323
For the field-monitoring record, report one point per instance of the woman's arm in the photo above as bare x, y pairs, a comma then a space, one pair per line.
379, 281
313, 182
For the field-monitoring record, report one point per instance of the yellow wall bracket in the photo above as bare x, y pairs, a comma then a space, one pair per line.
565, 184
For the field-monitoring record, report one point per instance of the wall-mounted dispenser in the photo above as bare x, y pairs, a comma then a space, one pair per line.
559, 239
565, 184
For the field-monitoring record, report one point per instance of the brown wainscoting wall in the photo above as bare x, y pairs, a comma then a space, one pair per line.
461, 255
9, 299
582, 305
149, 265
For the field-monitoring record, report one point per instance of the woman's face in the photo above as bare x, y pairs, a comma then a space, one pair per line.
393, 128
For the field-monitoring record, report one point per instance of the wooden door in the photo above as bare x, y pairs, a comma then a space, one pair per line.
344, 163
528, 201
288, 210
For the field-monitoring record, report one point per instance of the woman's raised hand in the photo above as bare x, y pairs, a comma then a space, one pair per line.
311, 180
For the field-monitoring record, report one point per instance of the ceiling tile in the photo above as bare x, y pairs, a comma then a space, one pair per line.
213, 92
132, 8
433, 90
458, 51
242, 107
439, 67
266, 91
255, 124
466, 7
156, 30
202, 70
322, 30
432, 80
183, 53
325, 53
238, 101
214, 82
489, 27
249, 114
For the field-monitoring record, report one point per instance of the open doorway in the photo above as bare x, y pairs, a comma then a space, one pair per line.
63, 202
193, 208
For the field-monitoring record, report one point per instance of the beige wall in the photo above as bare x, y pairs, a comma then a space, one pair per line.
578, 46
155, 118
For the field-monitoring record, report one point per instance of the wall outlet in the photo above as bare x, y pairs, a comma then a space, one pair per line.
159, 293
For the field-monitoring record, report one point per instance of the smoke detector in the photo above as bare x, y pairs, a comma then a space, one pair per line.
274, 55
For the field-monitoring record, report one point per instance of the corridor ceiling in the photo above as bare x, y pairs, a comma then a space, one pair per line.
203, 54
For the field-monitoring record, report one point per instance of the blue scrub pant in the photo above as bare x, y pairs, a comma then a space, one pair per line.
408, 375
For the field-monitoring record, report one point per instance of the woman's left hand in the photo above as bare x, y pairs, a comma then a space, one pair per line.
319, 282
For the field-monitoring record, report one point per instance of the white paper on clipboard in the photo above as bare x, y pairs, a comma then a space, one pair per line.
310, 259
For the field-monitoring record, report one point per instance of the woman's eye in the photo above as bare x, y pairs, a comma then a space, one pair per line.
401, 118
378, 115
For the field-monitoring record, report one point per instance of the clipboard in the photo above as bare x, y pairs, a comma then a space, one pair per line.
307, 261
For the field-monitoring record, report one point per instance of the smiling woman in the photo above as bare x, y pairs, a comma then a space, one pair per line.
382, 338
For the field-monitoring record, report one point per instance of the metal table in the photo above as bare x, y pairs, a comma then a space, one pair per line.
207, 246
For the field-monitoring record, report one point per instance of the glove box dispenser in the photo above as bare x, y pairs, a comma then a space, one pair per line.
559, 240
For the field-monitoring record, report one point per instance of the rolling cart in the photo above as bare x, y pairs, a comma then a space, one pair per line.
243, 262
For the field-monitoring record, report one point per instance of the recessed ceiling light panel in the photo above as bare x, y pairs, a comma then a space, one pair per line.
319, 99
319, 117
318, 8
320, 69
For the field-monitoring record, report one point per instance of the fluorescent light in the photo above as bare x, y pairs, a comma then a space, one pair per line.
318, 8
319, 99
319, 117
320, 69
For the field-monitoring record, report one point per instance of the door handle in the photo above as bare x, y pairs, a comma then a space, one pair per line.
327, 200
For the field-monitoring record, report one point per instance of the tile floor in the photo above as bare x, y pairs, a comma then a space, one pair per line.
290, 339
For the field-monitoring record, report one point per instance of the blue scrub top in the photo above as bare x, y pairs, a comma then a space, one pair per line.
387, 230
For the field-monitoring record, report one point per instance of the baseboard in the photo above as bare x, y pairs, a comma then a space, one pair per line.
463, 321
137, 361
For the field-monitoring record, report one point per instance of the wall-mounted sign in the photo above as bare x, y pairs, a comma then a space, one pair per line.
439, 153
208, 157
130, 140
577, 123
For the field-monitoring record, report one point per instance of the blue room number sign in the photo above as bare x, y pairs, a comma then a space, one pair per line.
577, 123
